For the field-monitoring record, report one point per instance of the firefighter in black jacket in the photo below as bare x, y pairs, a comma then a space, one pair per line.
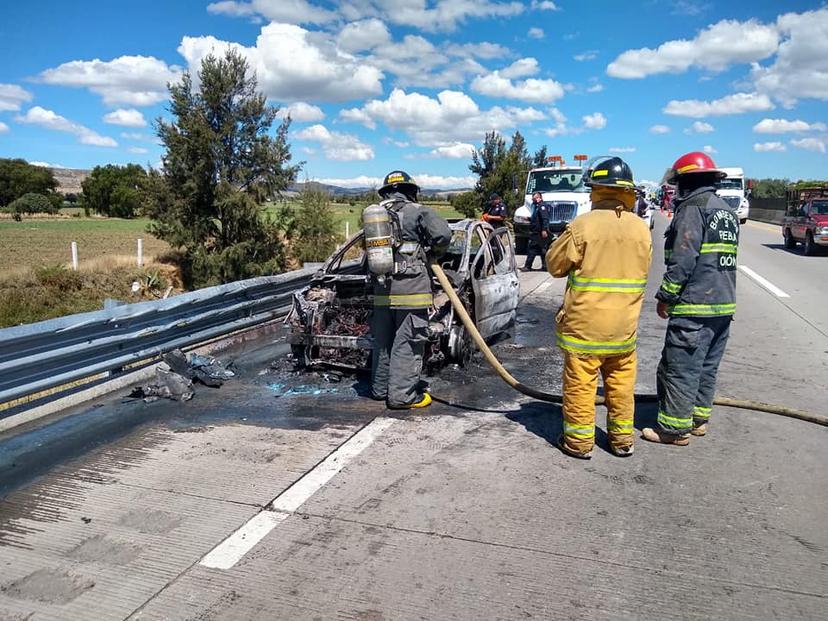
540, 237
402, 301
698, 295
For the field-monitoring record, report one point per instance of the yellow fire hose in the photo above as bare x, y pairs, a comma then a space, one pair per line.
553, 398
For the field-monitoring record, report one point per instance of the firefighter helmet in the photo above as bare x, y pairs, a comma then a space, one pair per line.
399, 181
612, 172
693, 163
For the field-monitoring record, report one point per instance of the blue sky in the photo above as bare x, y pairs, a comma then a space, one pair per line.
374, 85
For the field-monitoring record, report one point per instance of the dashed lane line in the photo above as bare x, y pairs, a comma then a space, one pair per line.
764, 282
232, 550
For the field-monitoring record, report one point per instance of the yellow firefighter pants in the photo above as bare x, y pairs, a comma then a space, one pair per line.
580, 383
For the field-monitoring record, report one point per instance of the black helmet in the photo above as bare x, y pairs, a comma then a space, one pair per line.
613, 172
399, 181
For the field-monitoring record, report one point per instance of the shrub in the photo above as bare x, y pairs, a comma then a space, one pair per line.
32, 203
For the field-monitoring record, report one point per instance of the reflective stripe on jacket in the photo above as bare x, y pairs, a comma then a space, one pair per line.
606, 255
700, 248
422, 231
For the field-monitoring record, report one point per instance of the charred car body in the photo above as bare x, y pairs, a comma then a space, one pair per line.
330, 319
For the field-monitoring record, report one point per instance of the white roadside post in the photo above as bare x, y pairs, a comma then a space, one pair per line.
347, 230
75, 256
140, 252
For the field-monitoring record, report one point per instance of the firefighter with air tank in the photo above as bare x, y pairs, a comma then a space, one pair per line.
401, 238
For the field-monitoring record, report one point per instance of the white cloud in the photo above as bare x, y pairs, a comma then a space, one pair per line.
138, 150
335, 145
293, 64
301, 112
520, 68
659, 129
536, 33
588, 55
139, 136
595, 88
288, 11
700, 127
544, 5
562, 128
452, 116
3, 127
454, 151
12, 97
495, 84
810, 144
127, 117
800, 70
484, 50
783, 126
436, 15
595, 121
709, 149
765, 147
50, 120
715, 48
424, 180
738, 103
363, 35
131, 80
621, 149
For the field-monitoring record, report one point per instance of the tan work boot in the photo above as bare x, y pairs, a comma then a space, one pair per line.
561, 444
622, 451
651, 435
699, 430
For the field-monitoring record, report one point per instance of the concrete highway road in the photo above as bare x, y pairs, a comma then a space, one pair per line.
286, 496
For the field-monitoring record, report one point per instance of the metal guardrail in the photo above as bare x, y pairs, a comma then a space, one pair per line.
44, 355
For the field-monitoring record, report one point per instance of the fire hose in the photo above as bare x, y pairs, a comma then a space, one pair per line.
555, 398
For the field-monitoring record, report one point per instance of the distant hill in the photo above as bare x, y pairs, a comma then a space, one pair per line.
69, 179
69, 182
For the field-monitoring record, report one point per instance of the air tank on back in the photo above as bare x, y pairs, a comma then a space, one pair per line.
379, 240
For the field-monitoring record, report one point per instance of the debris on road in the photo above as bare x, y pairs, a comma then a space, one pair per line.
203, 369
283, 390
167, 385
177, 382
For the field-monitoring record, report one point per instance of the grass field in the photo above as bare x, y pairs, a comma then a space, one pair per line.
38, 242
34, 243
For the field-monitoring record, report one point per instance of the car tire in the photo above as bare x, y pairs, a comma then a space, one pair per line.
790, 241
521, 244
810, 245
460, 345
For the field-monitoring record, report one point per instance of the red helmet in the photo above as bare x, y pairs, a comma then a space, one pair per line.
695, 162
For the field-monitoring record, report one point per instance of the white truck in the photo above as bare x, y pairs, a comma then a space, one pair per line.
733, 191
563, 187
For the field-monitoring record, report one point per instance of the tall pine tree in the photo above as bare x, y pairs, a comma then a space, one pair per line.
221, 164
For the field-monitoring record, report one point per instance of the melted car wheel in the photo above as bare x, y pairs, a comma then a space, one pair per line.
459, 345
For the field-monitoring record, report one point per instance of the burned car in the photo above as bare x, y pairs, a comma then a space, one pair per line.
330, 319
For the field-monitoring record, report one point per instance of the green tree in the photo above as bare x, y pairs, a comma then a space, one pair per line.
470, 204
18, 177
220, 165
539, 158
770, 188
314, 226
501, 170
31, 203
117, 191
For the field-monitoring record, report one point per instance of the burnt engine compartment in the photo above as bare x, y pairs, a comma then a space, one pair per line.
331, 326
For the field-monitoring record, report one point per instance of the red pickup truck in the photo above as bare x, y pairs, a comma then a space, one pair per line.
806, 219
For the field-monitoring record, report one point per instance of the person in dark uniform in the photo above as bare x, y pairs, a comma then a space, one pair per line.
540, 238
698, 296
495, 212
402, 301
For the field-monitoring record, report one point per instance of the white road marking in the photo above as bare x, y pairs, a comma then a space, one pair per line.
764, 282
232, 550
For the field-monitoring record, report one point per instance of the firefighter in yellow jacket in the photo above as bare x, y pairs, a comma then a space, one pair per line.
605, 254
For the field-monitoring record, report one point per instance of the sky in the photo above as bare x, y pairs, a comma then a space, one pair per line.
377, 85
